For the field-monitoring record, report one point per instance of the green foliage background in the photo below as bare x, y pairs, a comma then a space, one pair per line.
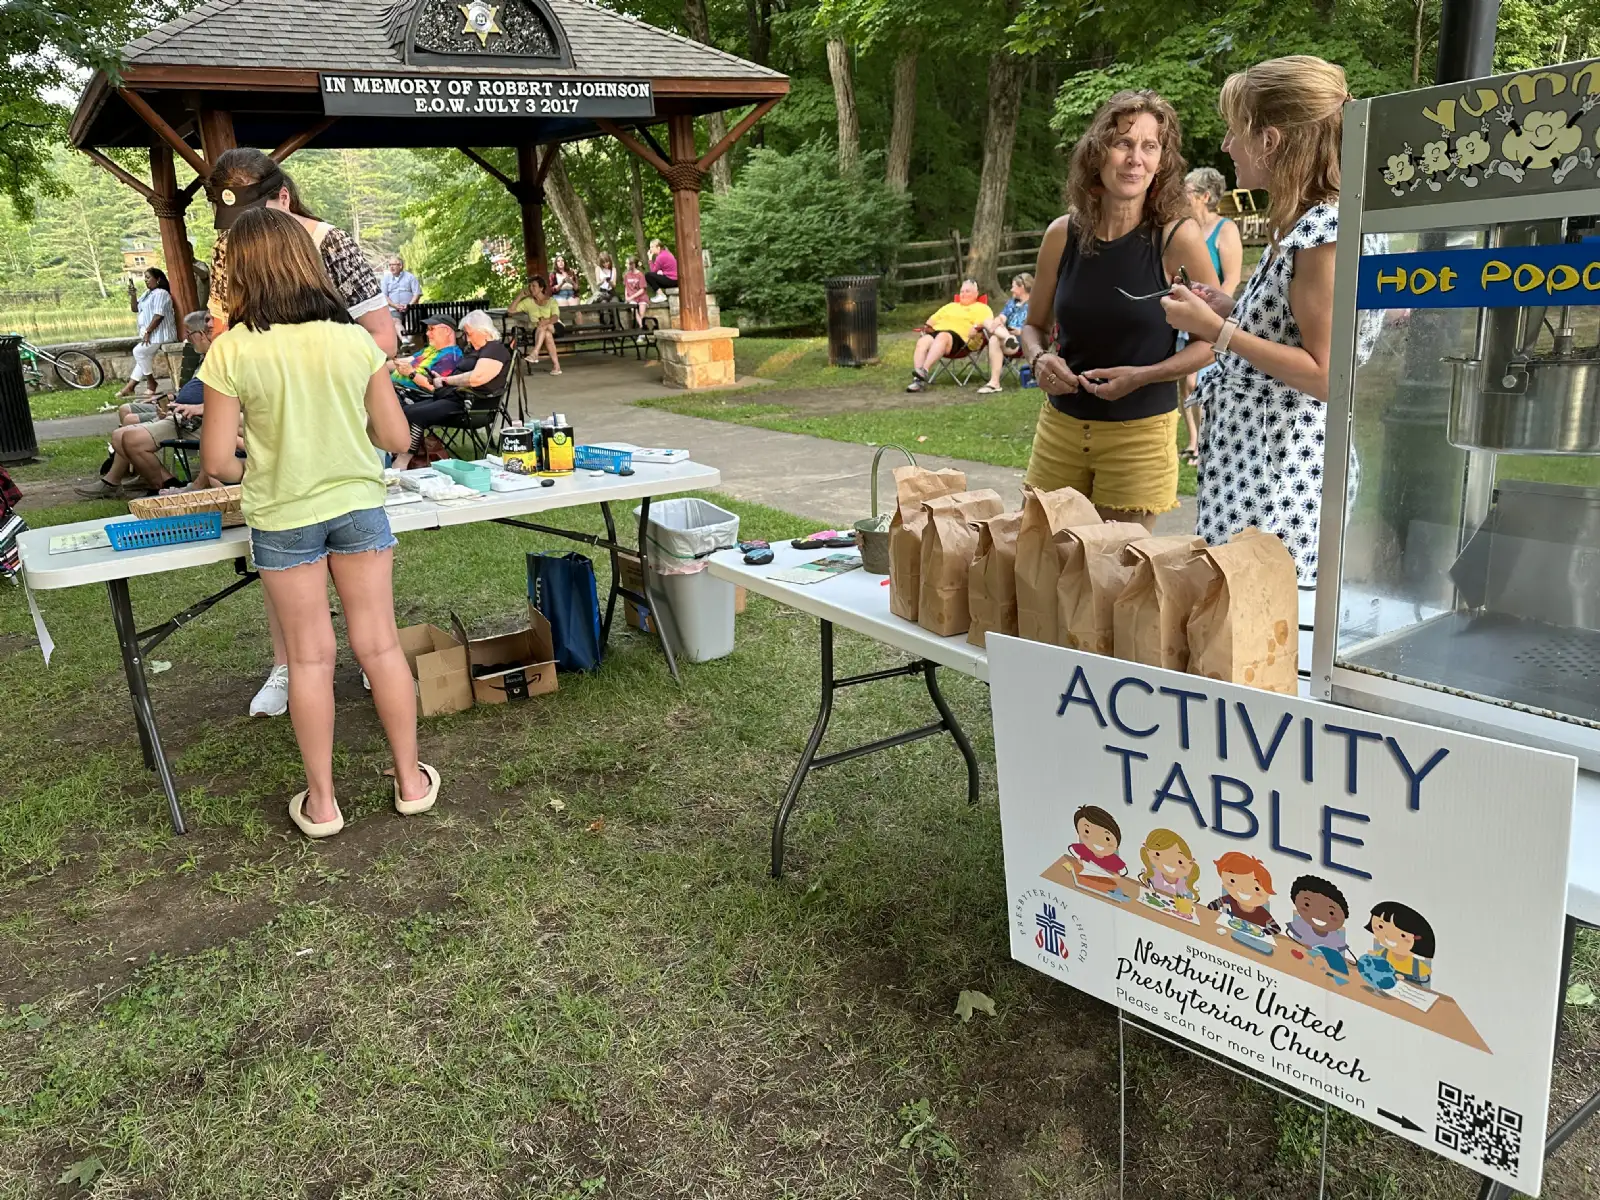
62, 221
791, 221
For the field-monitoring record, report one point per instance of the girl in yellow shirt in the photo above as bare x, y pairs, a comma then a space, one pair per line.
317, 396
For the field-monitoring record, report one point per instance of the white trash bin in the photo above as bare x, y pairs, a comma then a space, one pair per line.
695, 608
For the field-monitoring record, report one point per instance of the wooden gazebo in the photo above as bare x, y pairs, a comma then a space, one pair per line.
530, 74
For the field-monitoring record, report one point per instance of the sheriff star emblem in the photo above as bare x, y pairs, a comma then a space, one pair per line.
480, 20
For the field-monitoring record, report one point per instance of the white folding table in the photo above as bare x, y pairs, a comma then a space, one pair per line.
860, 602
44, 571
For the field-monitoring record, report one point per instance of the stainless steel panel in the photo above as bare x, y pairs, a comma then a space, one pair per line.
1500, 659
1537, 556
1554, 409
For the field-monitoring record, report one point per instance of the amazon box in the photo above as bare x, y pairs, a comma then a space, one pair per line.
438, 668
512, 666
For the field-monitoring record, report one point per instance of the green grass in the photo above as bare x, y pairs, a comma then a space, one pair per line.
68, 458
572, 979
68, 403
989, 429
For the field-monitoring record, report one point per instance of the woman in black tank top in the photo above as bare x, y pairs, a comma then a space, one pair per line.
1109, 362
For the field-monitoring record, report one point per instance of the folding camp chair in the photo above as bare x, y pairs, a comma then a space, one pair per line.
961, 364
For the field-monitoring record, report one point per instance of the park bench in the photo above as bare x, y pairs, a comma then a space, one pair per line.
606, 325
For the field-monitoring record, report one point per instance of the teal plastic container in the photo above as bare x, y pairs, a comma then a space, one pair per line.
467, 474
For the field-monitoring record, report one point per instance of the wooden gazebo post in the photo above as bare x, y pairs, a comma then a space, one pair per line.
529, 193
696, 354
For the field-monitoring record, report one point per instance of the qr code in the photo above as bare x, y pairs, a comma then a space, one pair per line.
1480, 1129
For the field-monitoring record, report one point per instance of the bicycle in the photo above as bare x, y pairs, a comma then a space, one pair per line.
76, 368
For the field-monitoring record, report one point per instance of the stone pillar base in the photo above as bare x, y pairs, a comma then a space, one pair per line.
696, 358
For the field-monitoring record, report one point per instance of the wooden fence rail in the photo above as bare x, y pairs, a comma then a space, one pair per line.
915, 273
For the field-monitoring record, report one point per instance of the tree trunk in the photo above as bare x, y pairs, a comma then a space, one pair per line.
844, 99
758, 30
999, 139
694, 16
903, 125
574, 219
1416, 42
636, 197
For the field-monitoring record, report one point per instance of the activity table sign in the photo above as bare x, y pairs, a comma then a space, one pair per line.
1369, 910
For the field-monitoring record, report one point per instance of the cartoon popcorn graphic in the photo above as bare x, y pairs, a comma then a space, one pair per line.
1538, 142
1402, 169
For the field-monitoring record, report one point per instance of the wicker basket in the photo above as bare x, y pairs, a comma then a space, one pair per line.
224, 500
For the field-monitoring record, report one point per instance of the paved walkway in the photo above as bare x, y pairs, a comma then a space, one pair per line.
825, 480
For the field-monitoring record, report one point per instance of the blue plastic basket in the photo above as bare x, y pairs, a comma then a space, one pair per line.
164, 531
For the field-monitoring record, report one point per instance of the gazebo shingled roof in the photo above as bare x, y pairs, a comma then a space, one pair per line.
254, 72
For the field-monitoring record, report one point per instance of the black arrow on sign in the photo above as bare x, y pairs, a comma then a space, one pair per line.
1403, 1122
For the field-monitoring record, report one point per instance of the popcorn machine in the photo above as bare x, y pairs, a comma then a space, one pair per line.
1459, 580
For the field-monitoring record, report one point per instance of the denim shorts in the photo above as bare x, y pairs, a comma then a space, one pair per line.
353, 533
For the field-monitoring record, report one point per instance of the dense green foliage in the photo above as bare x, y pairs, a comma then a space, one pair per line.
442, 210
790, 222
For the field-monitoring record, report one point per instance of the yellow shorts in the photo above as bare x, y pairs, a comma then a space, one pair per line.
1131, 465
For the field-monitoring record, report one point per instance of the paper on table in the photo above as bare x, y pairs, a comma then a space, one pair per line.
67, 543
816, 572
1411, 994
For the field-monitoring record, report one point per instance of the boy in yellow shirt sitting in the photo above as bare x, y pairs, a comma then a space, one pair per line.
960, 321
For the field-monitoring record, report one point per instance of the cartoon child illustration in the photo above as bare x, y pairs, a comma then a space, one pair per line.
1099, 836
1320, 913
1246, 884
1402, 937
1169, 866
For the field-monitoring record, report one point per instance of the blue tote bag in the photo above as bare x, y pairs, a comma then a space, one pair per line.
562, 588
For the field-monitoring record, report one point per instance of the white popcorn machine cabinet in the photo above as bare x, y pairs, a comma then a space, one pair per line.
1459, 582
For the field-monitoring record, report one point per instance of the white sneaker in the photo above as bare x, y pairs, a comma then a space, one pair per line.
659, 298
273, 698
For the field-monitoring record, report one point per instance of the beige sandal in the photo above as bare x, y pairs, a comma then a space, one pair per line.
314, 829
410, 808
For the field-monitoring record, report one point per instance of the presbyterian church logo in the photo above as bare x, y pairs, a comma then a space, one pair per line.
480, 20
1057, 935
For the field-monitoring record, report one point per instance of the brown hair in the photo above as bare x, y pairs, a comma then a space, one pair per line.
1164, 201
1096, 815
244, 167
276, 275
1302, 97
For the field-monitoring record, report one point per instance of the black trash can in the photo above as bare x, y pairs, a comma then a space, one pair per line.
17, 443
852, 320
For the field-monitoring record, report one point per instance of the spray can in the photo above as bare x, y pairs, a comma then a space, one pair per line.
558, 445
519, 449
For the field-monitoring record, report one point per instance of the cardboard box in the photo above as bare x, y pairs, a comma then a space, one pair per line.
523, 662
438, 665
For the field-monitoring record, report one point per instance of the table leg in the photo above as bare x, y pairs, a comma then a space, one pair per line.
810, 760
780, 823
955, 729
616, 587
649, 593
143, 713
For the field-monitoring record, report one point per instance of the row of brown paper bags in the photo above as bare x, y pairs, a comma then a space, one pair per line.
1055, 572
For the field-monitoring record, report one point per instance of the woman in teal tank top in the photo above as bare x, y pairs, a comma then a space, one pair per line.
1205, 186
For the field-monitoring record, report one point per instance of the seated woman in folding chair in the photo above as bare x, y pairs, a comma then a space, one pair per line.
1004, 341
958, 324
480, 375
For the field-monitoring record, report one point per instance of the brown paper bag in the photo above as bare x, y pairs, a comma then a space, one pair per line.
912, 486
992, 581
1092, 577
1038, 565
1246, 626
1150, 621
949, 541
